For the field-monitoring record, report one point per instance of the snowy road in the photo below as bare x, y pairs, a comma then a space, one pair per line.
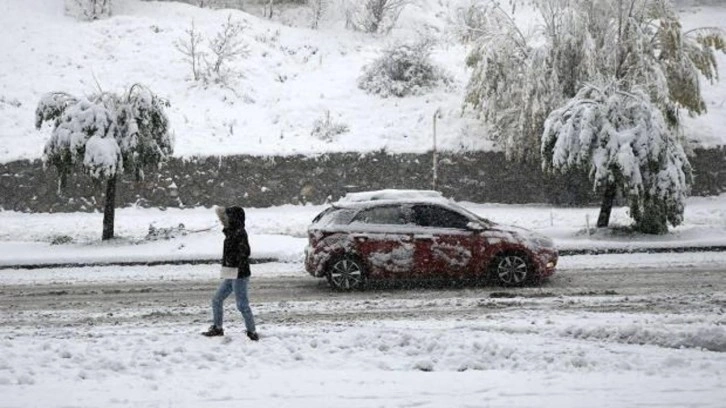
644, 336
631, 290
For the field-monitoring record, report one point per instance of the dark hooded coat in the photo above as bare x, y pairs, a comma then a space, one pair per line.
236, 252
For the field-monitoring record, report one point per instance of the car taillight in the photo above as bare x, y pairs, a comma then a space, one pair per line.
315, 236
312, 238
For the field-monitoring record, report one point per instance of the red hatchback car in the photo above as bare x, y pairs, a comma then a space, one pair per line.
412, 234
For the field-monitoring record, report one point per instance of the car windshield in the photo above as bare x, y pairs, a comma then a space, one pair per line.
470, 214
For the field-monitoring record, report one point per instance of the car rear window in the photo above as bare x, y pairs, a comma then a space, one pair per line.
334, 216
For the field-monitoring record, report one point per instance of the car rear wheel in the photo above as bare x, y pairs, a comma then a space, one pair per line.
510, 269
347, 273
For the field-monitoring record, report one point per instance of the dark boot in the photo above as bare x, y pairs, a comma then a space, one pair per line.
213, 331
253, 336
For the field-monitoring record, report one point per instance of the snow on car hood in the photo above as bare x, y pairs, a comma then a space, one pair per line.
527, 237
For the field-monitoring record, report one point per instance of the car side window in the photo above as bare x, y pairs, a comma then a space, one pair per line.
438, 217
381, 215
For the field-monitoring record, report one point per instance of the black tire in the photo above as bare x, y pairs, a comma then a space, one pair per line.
510, 269
347, 273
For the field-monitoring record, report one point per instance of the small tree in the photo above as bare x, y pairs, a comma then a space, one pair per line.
223, 49
190, 46
106, 135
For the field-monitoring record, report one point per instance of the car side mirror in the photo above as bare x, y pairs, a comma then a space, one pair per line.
474, 226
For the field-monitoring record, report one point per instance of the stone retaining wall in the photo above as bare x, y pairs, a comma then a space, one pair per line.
265, 181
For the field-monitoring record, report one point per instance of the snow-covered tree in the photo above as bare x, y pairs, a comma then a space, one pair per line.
106, 135
318, 8
224, 48
627, 145
519, 80
377, 16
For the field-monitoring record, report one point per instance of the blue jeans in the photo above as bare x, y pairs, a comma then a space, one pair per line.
239, 287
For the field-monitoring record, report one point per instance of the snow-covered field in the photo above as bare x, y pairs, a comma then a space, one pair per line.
292, 77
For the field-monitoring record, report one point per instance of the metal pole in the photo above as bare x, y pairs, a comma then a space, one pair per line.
435, 158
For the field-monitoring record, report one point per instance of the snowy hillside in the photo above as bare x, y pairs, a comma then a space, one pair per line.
292, 77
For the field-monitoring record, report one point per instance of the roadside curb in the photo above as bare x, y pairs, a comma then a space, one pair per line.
209, 261
641, 250
130, 263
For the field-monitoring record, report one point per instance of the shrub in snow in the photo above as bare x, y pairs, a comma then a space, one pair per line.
214, 65
61, 240
156, 233
635, 46
88, 10
325, 129
424, 365
105, 135
402, 70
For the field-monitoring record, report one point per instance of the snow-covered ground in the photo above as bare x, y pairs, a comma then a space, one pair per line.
128, 337
499, 359
292, 77
281, 232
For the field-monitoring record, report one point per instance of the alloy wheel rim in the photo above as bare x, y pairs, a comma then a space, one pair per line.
346, 274
512, 270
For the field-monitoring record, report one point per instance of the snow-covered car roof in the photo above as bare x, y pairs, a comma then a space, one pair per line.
365, 198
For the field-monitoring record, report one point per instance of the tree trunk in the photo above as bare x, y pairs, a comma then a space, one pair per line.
109, 208
607, 205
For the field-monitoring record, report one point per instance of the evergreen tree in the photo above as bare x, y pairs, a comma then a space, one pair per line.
106, 135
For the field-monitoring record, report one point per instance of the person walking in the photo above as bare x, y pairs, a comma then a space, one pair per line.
235, 272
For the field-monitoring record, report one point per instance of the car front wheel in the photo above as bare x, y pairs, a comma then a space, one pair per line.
510, 269
346, 273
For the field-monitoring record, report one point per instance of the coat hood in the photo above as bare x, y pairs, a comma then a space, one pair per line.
235, 217
231, 217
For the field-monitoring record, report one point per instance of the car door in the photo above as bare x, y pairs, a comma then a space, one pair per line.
383, 236
444, 245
